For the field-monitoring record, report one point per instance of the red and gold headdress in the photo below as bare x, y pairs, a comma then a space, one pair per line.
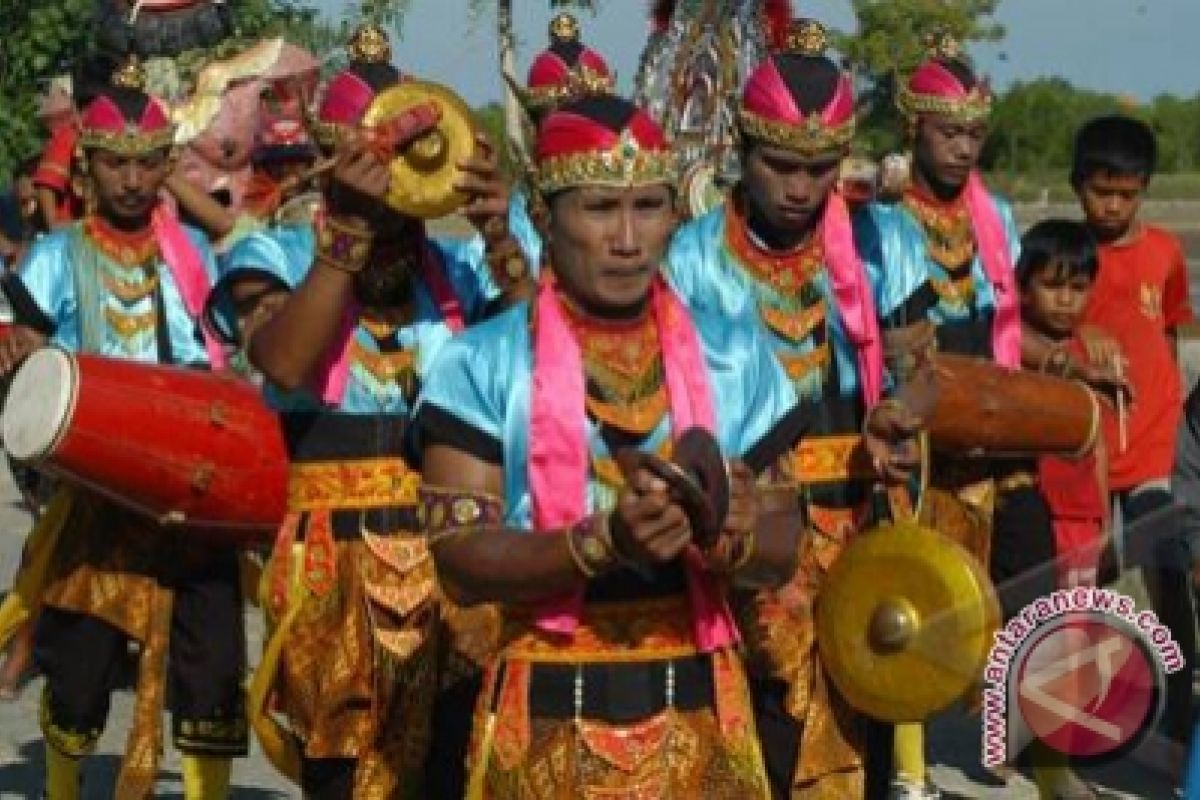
770, 109
567, 70
944, 85
602, 141
348, 94
124, 119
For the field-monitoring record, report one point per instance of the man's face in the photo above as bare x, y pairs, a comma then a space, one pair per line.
785, 189
606, 244
946, 151
127, 186
1111, 202
1054, 300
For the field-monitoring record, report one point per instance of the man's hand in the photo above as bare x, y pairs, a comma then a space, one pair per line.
18, 343
360, 179
890, 437
487, 209
647, 527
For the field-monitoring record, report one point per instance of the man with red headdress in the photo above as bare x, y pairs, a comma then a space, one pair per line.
620, 674
343, 312
942, 260
566, 70
129, 282
781, 248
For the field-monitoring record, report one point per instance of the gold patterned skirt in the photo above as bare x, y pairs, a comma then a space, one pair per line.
780, 633
672, 753
355, 675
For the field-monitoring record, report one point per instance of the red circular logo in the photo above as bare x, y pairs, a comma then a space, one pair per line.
1086, 686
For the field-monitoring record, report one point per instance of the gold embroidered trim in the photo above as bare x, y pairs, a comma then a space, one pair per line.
127, 326
799, 365
811, 138
611, 633
626, 165
975, 107
831, 459
366, 483
130, 142
70, 743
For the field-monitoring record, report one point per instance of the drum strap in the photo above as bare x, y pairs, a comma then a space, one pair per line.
162, 331
88, 301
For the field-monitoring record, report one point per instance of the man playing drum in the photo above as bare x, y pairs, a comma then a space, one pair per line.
129, 282
343, 315
942, 262
781, 247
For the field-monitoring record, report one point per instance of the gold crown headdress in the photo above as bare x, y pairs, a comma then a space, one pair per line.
806, 37
974, 106
564, 28
370, 45
627, 164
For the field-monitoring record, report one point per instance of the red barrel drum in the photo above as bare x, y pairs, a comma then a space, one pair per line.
184, 447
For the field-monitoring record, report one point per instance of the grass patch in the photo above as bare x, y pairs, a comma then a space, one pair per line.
1032, 188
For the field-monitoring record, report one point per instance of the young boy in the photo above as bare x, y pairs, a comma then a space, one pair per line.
1055, 510
1140, 296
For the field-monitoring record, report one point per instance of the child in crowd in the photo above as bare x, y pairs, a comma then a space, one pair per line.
1050, 512
1140, 296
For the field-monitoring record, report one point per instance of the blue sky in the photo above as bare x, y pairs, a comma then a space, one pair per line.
1137, 47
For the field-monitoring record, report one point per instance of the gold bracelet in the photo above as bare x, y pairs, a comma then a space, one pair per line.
577, 557
343, 246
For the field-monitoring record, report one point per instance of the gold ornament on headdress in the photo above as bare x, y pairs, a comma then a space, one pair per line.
132, 141
626, 165
564, 28
812, 138
130, 75
942, 45
806, 37
370, 45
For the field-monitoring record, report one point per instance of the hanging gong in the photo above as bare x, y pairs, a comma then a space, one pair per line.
425, 171
905, 621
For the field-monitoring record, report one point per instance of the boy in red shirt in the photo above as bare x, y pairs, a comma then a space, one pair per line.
1140, 297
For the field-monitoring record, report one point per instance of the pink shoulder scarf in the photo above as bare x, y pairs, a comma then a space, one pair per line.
190, 277
558, 446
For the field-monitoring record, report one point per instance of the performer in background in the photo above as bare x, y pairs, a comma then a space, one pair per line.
129, 282
343, 314
781, 248
942, 263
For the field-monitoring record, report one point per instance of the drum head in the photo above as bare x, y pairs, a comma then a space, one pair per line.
39, 405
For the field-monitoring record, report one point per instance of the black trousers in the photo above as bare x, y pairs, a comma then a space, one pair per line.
1158, 547
84, 659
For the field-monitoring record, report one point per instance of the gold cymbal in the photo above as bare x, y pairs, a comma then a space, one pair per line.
424, 173
905, 622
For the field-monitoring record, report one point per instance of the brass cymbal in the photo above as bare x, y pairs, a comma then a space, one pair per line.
424, 173
905, 622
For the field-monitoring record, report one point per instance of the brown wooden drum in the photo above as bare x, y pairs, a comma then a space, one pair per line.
181, 446
979, 409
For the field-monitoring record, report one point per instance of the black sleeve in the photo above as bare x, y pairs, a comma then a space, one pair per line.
782, 437
436, 426
913, 310
26, 311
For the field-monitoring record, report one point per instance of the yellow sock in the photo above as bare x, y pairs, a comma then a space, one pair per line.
62, 775
1050, 769
908, 750
205, 777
